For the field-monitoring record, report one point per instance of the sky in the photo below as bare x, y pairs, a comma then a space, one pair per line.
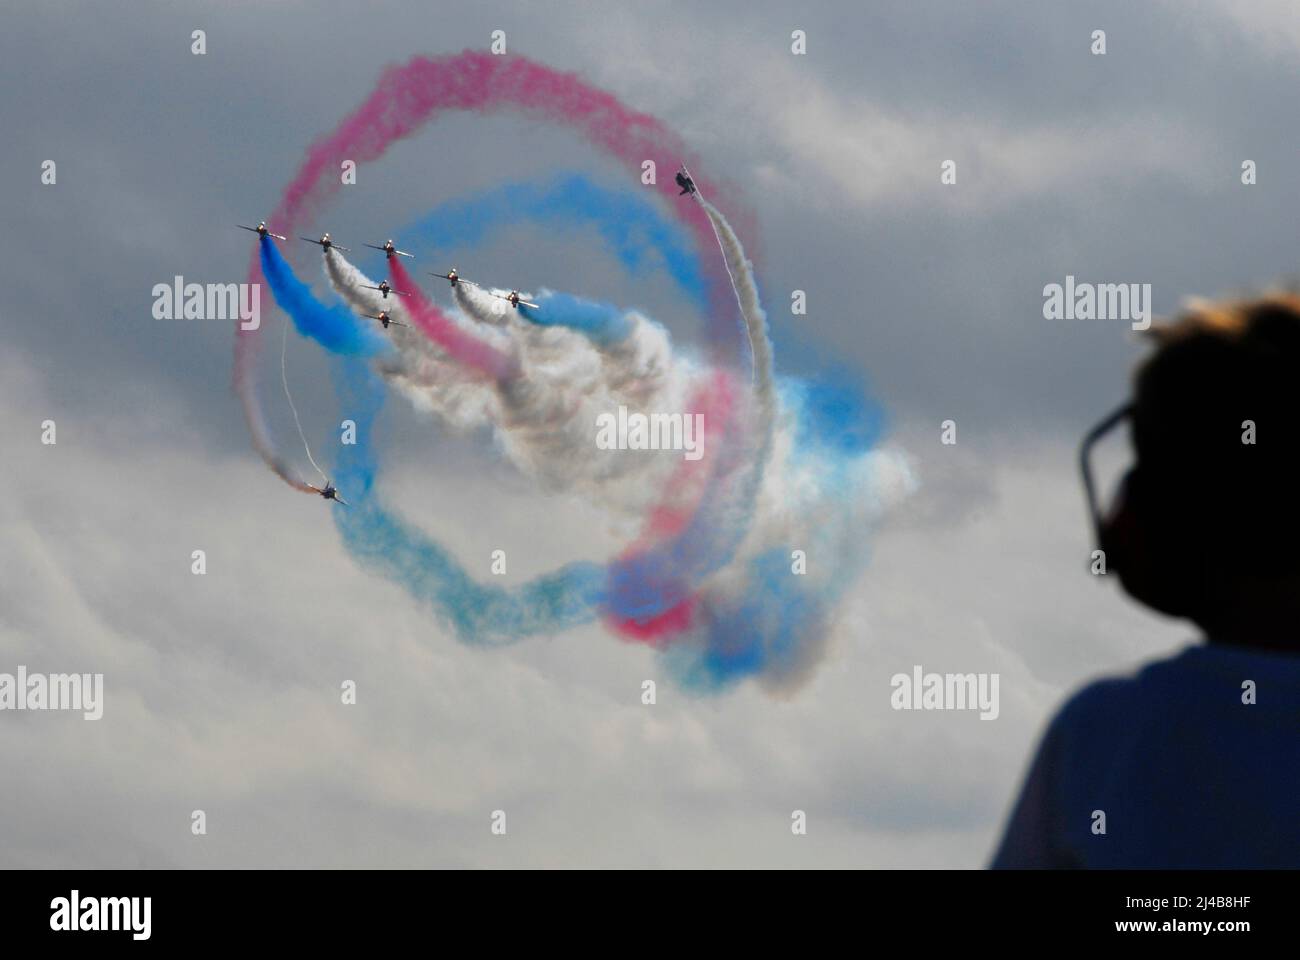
222, 691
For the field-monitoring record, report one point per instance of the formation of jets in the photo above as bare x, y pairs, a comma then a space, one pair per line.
329, 491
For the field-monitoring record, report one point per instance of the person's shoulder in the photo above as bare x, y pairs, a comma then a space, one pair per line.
1103, 695
1114, 699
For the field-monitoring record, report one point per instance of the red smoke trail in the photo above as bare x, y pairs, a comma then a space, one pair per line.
675, 512
461, 345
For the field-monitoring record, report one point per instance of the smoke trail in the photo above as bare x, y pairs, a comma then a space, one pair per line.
382, 541
333, 326
408, 96
356, 288
627, 225
639, 364
422, 370
741, 272
462, 346
482, 306
601, 323
293, 408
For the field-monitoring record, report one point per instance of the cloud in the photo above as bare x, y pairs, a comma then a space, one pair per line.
1270, 25
819, 141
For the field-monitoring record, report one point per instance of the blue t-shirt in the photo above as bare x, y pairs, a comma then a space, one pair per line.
1186, 773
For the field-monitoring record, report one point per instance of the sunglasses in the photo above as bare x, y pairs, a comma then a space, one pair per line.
1090, 442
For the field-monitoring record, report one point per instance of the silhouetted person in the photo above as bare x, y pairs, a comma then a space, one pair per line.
1185, 768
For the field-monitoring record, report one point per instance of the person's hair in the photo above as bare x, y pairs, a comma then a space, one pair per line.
1220, 369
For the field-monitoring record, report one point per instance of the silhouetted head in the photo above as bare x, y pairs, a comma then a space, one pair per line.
1207, 525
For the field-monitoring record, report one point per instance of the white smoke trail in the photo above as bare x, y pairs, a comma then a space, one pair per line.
756, 424
550, 414
741, 272
284, 381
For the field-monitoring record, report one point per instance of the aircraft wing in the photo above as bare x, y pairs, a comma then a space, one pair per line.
403, 253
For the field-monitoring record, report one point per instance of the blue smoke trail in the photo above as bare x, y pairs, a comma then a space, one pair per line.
630, 226
834, 414
603, 324
333, 325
